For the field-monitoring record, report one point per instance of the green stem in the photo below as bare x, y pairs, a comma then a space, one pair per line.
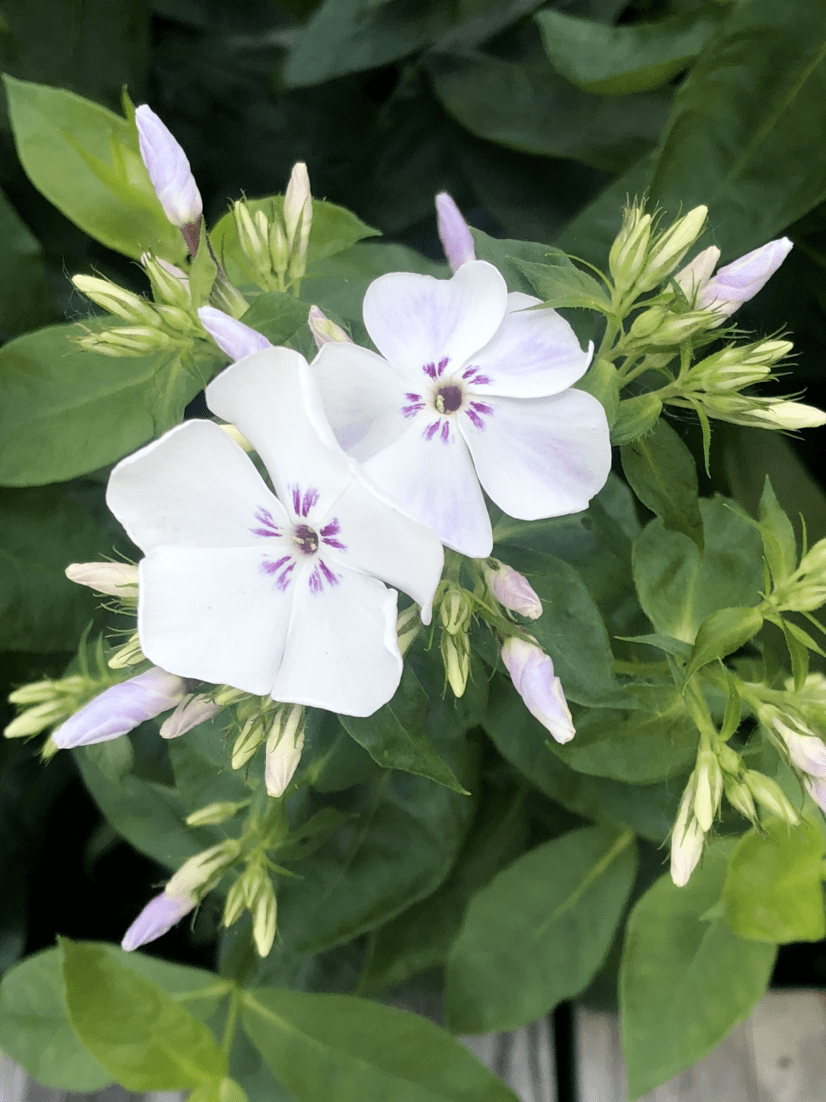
231, 1022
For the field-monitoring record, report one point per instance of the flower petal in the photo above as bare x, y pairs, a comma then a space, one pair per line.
435, 481
416, 320
342, 653
534, 353
193, 487
214, 615
383, 541
273, 399
363, 397
541, 457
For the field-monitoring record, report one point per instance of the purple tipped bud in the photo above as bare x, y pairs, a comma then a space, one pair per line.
192, 711
532, 673
121, 708
168, 169
232, 336
323, 330
807, 752
158, 916
739, 281
454, 232
511, 589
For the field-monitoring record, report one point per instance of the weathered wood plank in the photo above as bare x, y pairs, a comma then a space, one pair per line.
790, 1046
523, 1059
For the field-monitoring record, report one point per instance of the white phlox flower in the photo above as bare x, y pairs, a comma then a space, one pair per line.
469, 386
272, 593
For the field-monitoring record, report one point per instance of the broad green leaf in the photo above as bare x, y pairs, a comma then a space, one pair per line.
722, 633
324, 1047
277, 315
508, 256
662, 473
25, 297
779, 543
746, 121
685, 980
616, 61
636, 417
679, 586
85, 160
140, 1034
773, 890
333, 230
530, 108
564, 285
66, 411
521, 949
42, 530
396, 736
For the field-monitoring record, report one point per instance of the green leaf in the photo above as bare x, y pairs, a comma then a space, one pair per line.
564, 285
636, 417
66, 411
661, 471
85, 160
395, 736
41, 531
773, 890
746, 120
25, 297
530, 108
202, 272
649, 811
277, 315
521, 950
722, 633
617, 61
651, 742
679, 587
779, 543
139, 1033
324, 1047
684, 981
508, 256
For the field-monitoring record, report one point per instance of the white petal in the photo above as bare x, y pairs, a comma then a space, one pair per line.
342, 652
385, 542
534, 353
541, 457
214, 615
274, 401
415, 320
363, 397
193, 487
435, 481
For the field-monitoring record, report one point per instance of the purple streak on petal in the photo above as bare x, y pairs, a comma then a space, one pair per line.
472, 375
315, 581
414, 397
475, 418
296, 500
121, 708
332, 578
274, 567
270, 528
431, 430
309, 500
329, 533
445, 431
482, 407
332, 528
442, 364
430, 369
159, 915
411, 411
284, 580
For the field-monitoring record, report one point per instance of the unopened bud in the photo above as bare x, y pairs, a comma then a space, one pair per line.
660, 327
323, 330
740, 798
739, 281
456, 657
708, 789
235, 904
532, 673
668, 248
696, 274
46, 691
687, 840
254, 247
157, 917
454, 233
789, 415
456, 610
214, 814
130, 654
252, 735
279, 248
127, 340
168, 169
204, 870
169, 283
124, 304
628, 252
298, 218
191, 712
512, 589
284, 745
115, 579
771, 796
121, 708
408, 626
37, 718
233, 337
736, 367
264, 918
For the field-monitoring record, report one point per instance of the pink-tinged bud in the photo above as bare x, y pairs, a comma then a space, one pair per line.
511, 589
168, 169
115, 579
816, 787
121, 708
454, 232
158, 916
807, 752
192, 711
232, 336
739, 281
323, 330
532, 673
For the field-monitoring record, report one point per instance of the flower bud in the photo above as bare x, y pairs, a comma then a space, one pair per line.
511, 589
158, 916
740, 798
408, 626
284, 745
254, 246
215, 814
115, 579
739, 281
168, 169
43, 692
771, 796
628, 252
687, 841
235, 904
454, 232
279, 248
124, 304
456, 658
192, 711
204, 870
694, 276
264, 913
323, 330
129, 654
456, 609
169, 283
660, 327
298, 218
532, 673
668, 248
37, 718
126, 340
740, 366
121, 708
232, 337
783, 415
806, 751
708, 789
816, 787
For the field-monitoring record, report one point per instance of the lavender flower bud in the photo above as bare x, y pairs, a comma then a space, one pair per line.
511, 589
158, 916
532, 673
454, 232
232, 336
168, 169
121, 708
739, 281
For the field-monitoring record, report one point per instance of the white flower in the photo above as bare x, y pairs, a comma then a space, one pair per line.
120, 709
532, 673
470, 386
232, 336
272, 593
734, 283
168, 169
454, 232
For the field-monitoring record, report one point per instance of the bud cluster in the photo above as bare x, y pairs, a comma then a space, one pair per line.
455, 606
253, 891
48, 703
280, 727
275, 244
150, 327
805, 588
642, 258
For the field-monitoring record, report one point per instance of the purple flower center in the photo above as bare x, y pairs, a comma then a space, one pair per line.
448, 398
306, 538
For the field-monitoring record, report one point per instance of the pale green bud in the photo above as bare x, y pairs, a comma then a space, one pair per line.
786, 415
729, 759
38, 718
736, 367
226, 695
708, 789
128, 340
204, 870
284, 745
216, 813
456, 658
130, 654
628, 252
325, 331
180, 321
687, 840
279, 248
115, 579
456, 609
124, 304
235, 904
252, 735
40, 692
408, 626
770, 796
264, 913
740, 798
669, 248
253, 245
660, 327
298, 218
169, 283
